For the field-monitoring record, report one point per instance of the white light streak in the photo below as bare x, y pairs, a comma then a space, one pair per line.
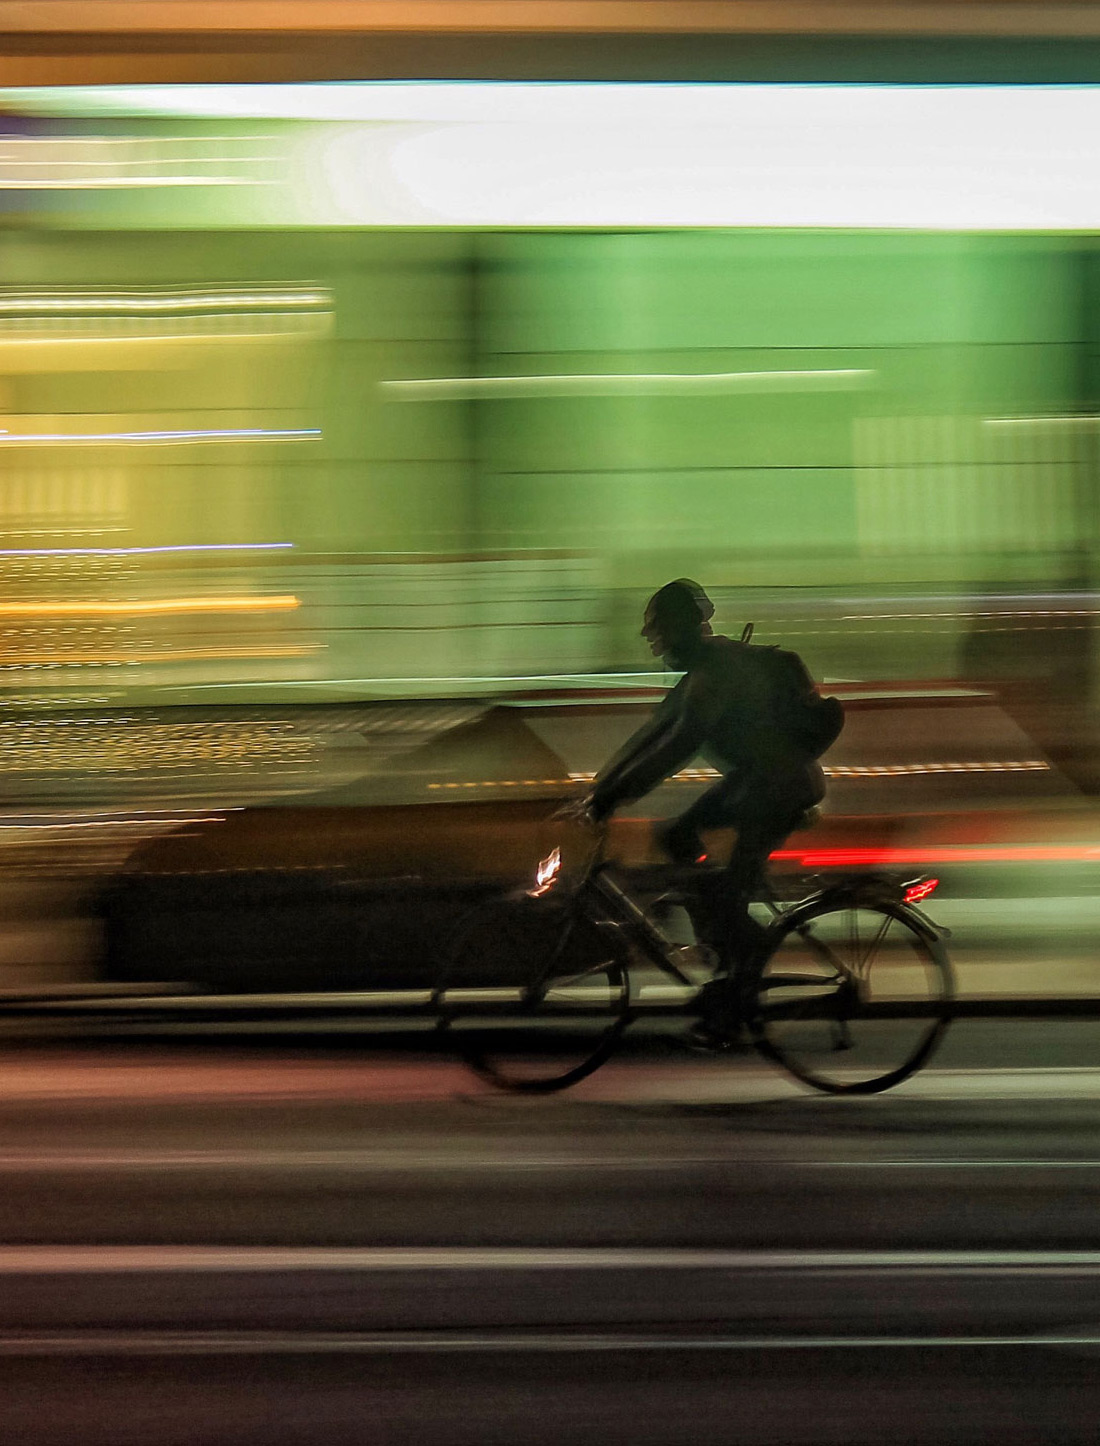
142, 551
129, 183
67, 162
1072, 419
111, 439
933, 157
621, 384
1003, 613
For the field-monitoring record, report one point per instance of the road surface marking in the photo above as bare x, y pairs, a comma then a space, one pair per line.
184, 1259
930, 1163
626, 1082
437, 1162
221, 1343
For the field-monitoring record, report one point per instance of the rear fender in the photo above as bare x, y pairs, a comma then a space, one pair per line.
870, 891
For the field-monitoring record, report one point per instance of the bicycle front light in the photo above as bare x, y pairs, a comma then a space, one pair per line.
546, 874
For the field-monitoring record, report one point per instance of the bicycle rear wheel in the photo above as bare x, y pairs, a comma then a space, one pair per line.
854, 997
535, 994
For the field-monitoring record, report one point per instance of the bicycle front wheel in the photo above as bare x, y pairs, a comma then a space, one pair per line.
854, 997
535, 994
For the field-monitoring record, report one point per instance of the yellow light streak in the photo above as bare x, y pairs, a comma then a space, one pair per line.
995, 18
166, 655
893, 770
156, 607
707, 775
74, 303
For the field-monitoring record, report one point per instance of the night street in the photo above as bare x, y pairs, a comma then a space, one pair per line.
202, 1243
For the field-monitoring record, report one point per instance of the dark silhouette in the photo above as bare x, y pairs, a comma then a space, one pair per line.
753, 713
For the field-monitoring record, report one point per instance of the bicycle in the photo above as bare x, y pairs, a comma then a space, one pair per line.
853, 996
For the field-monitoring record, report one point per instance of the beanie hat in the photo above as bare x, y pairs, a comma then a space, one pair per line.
680, 605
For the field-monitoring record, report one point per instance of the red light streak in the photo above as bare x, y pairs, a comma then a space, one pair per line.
869, 858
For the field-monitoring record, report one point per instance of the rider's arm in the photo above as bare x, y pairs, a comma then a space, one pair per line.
671, 739
640, 741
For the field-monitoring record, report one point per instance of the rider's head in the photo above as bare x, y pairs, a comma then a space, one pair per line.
676, 618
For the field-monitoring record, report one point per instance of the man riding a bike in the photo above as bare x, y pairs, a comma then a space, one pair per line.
753, 713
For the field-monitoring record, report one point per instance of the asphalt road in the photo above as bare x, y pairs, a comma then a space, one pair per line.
227, 1241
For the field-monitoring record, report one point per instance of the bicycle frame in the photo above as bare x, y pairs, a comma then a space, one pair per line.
659, 950
646, 936
819, 1023
643, 931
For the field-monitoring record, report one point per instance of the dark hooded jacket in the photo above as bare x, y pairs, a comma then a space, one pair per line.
731, 709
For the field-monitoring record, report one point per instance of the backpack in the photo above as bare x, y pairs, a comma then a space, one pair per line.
810, 721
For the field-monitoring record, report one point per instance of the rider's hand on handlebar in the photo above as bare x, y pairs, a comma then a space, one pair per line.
578, 810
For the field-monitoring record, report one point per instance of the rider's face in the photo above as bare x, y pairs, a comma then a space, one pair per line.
658, 644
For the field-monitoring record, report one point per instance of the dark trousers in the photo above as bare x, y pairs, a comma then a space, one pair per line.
763, 811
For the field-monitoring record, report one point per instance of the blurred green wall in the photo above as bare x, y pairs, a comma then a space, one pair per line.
914, 481
933, 441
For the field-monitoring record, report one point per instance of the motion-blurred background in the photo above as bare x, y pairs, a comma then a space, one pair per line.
364, 366
279, 427
361, 374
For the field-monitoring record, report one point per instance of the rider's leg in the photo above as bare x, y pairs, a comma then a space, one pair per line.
736, 936
741, 942
763, 813
717, 808
679, 838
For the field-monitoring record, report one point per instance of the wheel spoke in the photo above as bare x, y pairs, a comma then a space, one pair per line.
572, 1000
865, 959
853, 998
823, 953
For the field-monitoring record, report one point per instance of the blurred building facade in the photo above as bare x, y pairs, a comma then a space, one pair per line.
318, 391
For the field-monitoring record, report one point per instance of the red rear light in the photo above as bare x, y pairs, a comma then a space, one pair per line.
915, 892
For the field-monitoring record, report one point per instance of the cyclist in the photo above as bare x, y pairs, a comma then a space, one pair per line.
753, 713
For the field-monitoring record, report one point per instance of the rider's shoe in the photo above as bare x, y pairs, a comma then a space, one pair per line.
719, 1019
705, 1040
